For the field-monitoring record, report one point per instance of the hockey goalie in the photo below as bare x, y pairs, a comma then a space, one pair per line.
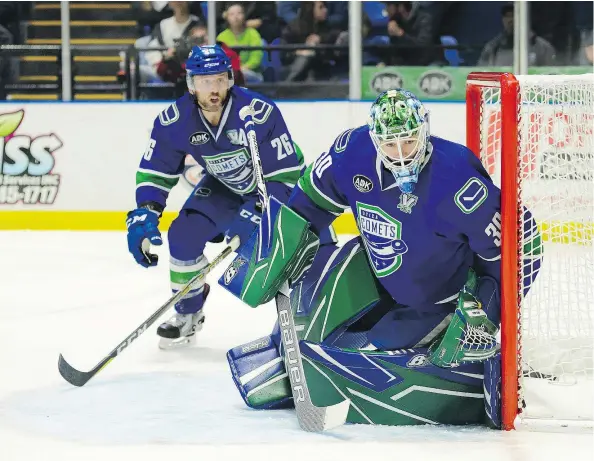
401, 321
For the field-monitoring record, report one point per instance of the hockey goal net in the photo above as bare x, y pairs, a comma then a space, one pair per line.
534, 135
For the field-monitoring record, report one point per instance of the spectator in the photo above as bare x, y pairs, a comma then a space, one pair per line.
374, 56
338, 13
411, 27
149, 14
11, 15
238, 34
169, 32
312, 28
500, 50
555, 23
261, 16
173, 67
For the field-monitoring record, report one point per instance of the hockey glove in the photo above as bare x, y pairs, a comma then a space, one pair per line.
142, 232
470, 336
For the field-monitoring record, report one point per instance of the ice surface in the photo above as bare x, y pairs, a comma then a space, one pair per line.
80, 293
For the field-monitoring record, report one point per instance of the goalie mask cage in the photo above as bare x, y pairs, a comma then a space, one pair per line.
534, 135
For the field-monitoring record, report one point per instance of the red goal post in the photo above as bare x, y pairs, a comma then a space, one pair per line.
510, 216
535, 136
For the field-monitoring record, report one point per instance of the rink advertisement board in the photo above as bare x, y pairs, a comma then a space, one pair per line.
72, 165
438, 83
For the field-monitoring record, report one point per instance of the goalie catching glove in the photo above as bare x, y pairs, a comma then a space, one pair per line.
284, 249
470, 336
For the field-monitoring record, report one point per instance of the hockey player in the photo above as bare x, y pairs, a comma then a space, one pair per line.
205, 124
413, 303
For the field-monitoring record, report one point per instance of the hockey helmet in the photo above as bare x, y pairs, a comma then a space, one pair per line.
207, 60
399, 128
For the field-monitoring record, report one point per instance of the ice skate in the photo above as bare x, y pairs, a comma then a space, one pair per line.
180, 330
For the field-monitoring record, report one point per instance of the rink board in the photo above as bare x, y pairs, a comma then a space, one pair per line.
72, 165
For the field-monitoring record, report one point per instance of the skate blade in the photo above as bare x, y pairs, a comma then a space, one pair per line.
166, 344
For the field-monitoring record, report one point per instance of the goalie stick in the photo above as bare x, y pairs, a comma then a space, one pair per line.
310, 417
80, 378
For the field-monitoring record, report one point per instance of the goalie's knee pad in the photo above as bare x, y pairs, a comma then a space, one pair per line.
259, 373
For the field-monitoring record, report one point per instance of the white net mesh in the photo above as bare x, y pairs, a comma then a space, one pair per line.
556, 183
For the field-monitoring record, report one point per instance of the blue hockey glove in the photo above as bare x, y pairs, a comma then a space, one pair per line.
142, 233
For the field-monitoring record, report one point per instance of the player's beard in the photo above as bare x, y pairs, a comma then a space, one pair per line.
214, 102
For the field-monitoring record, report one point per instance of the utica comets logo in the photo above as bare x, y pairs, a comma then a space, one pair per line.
234, 169
382, 237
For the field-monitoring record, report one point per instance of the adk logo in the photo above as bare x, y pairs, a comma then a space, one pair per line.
234, 169
382, 235
384, 81
435, 83
200, 137
26, 164
362, 183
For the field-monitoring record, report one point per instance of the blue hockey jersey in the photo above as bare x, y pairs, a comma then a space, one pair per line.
421, 244
221, 150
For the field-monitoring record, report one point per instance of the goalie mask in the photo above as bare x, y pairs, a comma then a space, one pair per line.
399, 128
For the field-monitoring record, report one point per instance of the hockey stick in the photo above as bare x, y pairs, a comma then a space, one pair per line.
310, 417
80, 378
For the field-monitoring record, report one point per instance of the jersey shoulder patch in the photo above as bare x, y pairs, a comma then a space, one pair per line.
471, 195
262, 106
342, 141
262, 110
169, 115
455, 178
350, 138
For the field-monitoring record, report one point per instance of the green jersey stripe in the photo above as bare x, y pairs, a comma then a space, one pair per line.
287, 175
157, 173
152, 178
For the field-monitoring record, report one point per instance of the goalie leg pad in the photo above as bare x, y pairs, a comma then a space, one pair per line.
394, 388
338, 289
259, 373
492, 390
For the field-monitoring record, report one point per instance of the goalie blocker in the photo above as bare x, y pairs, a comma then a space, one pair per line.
397, 365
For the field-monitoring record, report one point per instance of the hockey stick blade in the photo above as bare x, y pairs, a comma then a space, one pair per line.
76, 377
80, 378
310, 417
